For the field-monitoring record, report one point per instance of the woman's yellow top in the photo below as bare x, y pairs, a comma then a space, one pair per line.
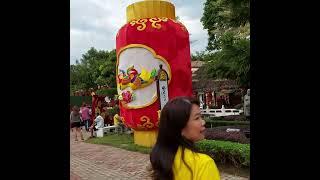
202, 166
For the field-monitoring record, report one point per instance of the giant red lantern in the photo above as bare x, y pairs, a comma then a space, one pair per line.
151, 37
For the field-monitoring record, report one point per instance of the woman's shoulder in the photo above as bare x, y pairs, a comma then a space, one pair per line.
202, 164
196, 156
202, 158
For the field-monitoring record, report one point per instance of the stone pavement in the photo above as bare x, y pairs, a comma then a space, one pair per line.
101, 162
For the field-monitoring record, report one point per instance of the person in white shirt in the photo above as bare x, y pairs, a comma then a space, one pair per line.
98, 123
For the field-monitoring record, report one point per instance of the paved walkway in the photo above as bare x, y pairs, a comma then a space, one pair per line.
101, 162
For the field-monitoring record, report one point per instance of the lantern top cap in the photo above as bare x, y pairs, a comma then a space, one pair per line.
150, 9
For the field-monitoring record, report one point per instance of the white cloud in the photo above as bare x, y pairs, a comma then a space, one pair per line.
94, 23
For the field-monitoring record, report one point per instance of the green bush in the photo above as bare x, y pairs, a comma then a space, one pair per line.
214, 123
214, 118
78, 100
113, 111
227, 152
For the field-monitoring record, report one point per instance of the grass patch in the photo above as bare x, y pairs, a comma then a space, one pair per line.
123, 141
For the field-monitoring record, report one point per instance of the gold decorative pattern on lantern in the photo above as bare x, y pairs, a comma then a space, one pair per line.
154, 22
146, 124
164, 19
141, 22
132, 23
159, 112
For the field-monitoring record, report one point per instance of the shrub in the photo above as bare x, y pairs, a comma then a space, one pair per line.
214, 118
238, 106
227, 152
235, 118
112, 111
239, 137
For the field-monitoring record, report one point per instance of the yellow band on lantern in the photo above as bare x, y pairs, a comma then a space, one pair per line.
150, 9
145, 138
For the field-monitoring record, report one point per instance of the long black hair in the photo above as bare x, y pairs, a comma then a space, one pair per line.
174, 117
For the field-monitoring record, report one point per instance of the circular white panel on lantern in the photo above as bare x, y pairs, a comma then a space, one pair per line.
140, 57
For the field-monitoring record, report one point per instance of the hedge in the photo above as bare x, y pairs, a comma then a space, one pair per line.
78, 100
227, 152
239, 137
113, 111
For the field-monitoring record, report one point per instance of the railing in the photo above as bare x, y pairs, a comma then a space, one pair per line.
221, 112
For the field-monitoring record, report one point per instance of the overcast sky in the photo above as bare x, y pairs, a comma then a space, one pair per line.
95, 23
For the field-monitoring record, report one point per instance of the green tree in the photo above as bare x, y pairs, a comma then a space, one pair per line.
221, 16
107, 70
198, 56
94, 68
228, 25
232, 62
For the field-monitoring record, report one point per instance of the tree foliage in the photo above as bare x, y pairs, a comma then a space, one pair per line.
94, 68
221, 16
228, 25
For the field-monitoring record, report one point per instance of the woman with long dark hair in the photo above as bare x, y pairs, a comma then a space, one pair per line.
174, 156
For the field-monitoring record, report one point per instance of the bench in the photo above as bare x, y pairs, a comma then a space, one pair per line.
101, 131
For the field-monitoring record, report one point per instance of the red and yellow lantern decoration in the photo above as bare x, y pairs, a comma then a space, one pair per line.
151, 37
